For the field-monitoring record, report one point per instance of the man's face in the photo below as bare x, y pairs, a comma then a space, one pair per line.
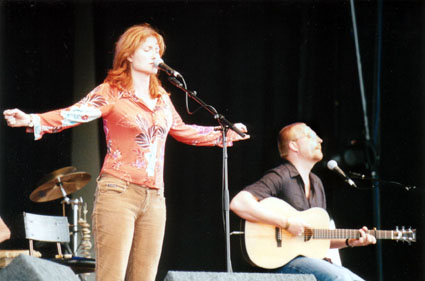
309, 144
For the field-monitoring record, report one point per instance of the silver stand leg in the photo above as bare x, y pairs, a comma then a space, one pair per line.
75, 204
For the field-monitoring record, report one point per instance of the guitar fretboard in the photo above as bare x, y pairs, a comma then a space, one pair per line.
347, 233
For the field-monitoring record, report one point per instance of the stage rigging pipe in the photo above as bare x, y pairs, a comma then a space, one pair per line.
372, 164
376, 140
359, 69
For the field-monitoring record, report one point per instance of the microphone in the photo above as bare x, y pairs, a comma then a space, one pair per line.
333, 165
161, 65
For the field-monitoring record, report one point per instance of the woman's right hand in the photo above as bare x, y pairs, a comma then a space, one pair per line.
16, 118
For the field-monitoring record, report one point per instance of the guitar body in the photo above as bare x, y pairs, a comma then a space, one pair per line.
261, 243
269, 247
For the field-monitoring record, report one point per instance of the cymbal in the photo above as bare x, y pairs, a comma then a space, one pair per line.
57, 173
51, 189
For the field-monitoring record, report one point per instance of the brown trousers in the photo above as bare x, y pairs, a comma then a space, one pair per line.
128, 227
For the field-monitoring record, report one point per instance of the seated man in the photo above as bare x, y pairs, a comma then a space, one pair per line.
293, 182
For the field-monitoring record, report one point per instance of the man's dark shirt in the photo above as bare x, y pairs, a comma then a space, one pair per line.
285, 182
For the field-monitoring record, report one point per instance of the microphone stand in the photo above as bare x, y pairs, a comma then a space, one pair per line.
225, 126
375, 180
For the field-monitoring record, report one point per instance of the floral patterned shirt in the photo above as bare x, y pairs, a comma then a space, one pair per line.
135, 134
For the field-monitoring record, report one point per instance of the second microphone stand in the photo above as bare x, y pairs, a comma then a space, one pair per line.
225, 125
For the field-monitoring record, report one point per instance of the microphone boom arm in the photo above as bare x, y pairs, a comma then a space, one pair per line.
363, 177
219, 117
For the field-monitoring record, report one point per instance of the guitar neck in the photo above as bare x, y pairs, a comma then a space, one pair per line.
349, 233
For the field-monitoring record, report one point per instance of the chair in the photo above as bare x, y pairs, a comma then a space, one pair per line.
55, 229
47, 229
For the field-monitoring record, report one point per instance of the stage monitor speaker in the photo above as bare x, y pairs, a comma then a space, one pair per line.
27, 268
236, 276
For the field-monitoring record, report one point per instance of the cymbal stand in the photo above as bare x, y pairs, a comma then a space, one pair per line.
75, 203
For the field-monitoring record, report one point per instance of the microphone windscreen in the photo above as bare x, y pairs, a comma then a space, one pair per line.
158, 61
332, 164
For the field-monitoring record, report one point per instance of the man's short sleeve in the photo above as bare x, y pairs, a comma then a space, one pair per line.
267, 186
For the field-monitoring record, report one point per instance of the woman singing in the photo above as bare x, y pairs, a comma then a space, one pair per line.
129, 210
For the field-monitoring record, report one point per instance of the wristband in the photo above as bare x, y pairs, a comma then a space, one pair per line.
348, 244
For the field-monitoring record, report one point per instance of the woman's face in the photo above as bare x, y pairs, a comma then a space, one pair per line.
142, 60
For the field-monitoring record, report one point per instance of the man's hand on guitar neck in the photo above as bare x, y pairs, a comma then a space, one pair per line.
364, 240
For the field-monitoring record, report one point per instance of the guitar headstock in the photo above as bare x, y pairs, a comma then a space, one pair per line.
405, 235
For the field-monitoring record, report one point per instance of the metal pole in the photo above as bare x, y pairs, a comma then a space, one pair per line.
374, 174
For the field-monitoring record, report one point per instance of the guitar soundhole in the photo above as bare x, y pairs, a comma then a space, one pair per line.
278, 233
308, 234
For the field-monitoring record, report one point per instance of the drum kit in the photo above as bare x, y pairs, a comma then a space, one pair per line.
59, 184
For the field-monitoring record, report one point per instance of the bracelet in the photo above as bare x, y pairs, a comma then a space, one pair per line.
348, 244
287, 225
31, 123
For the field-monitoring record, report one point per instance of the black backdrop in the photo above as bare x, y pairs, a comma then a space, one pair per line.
263, 63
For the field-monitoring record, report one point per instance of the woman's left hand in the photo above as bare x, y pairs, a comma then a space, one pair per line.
241, 127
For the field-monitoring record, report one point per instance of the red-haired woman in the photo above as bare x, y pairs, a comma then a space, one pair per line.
129, 211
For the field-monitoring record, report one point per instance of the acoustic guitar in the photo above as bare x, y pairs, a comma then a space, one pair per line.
269, 247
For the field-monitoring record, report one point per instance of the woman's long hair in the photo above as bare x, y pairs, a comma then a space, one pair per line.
119, 76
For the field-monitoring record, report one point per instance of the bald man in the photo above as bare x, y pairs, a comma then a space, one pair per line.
292, 181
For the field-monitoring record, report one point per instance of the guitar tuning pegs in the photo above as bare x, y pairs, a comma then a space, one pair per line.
403, 232
397, 230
